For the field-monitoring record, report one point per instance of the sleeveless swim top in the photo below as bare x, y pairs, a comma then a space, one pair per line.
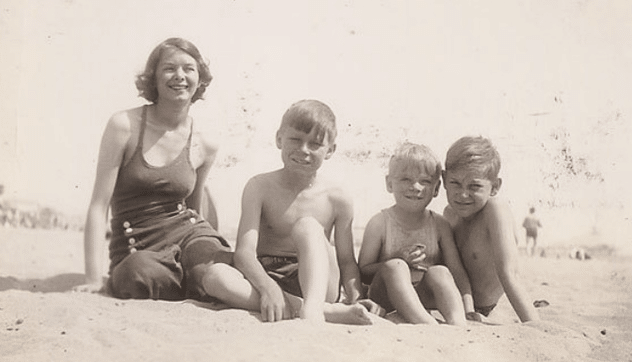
142, 187
397, 237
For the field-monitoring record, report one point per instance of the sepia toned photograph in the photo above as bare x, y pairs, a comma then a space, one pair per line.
242, 180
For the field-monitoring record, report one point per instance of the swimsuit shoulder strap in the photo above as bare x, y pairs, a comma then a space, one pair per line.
141, 134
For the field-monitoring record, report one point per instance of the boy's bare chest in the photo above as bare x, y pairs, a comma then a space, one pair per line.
282, 210
472, 240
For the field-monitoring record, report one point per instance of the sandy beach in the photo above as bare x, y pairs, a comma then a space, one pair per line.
589, 318
548, 82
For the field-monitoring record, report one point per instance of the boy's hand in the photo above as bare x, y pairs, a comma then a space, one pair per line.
474, 316
273, 305
372, 307
414, 255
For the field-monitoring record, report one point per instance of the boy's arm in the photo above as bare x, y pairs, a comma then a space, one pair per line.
501, 233
453, 261
273, 306
343, 238
371, 246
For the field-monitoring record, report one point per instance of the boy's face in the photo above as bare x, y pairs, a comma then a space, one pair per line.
302, 151
412, 188
468, 191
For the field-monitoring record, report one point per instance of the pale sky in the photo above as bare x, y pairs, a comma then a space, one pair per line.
505, 69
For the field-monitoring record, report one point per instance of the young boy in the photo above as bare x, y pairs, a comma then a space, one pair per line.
406, 246
483, 226
288, 217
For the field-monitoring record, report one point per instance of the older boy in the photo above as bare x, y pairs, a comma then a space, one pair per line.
483, 226
288, 216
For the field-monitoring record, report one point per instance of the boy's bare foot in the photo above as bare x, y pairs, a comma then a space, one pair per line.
314, 315
347, 314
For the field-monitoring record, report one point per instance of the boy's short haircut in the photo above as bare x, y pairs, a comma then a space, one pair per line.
146, 81
420, 157
477, 153
306, 114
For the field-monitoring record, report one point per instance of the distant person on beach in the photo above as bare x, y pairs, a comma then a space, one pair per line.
408, 251
152, 167
531, 224
284, 245
483, 226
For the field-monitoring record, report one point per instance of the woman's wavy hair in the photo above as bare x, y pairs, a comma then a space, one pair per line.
146, 81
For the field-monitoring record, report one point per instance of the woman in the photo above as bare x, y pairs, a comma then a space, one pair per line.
151, 172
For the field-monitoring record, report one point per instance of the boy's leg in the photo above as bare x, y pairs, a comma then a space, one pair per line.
220, 280
148, 275
438, 289
318, 273
394, 278
208, 271
535, 245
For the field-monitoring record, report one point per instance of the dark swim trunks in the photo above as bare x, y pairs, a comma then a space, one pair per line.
532, 233
284, 271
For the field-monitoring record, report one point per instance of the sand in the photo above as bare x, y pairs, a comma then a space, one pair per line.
589, 318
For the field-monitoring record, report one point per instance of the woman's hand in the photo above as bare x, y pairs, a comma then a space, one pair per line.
94, 287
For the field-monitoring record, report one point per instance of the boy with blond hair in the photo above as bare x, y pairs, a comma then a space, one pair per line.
408, 251
284, 240
483, 226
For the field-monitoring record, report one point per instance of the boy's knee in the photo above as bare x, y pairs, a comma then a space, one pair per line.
438, 274
393, 266
306, 226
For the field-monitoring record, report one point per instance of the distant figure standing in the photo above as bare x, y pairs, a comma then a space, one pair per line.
531, 224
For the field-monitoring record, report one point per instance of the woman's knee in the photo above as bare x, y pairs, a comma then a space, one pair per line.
144, 275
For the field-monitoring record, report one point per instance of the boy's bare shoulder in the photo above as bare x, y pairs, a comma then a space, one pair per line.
377, 221
442, 222
450, 216
336, 191
496, 210
264, 180
497, 204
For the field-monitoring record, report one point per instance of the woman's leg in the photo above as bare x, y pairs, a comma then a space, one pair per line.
149, 275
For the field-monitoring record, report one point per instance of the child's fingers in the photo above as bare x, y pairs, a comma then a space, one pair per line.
372, 307
417, 257
417, 249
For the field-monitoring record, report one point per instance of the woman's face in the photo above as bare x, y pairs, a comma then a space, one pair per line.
177, 77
